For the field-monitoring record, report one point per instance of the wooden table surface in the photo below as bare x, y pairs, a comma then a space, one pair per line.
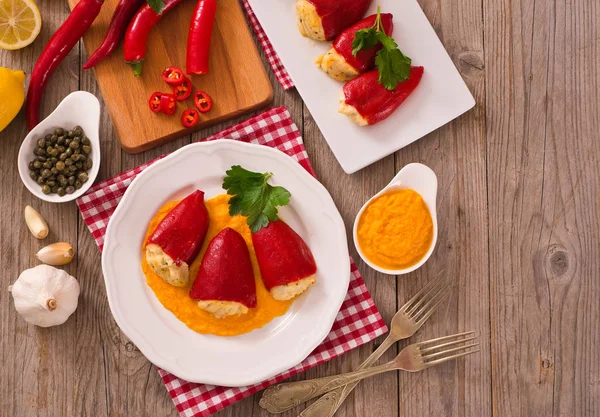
519, 231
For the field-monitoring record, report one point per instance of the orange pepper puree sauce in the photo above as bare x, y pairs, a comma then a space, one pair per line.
177, 300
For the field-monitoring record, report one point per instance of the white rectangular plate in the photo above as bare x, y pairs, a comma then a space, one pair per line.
441, 96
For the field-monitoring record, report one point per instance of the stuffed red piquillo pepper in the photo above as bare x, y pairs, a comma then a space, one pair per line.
224, 285
136, 36
323, 20
178, 239
116, 29
286, 263
199, 35
339, 62
367, 102
57, 48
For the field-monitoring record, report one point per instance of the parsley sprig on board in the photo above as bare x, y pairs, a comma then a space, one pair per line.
253, 196
393, 65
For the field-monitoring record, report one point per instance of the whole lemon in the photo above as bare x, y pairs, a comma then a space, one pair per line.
12, 93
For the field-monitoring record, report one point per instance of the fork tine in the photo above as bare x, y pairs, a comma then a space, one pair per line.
419, 294
444, 352
442, 360
428, 308
424, 295
444, 338
456, 342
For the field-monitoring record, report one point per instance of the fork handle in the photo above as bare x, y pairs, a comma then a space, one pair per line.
283, 397
327, 405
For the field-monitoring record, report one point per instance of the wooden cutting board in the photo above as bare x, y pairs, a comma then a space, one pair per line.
237, 81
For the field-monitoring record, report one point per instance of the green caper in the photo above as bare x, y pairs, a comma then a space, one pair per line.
41, 158
61, 148
69, 162
53, 139
71, 180
82, 176
74, 144
30, 165
41, 143
60, 165
55, 189
87, 164
70, 189
63, 182
61, 191
78, 184
77, 151
85, 140
70, 133
67, 141
72, 169
78, 130
46, 189
59, 131
33, 175
48, 136
40, 180
53, 152
40, 151
69, 151
79, 165
61, 140
47, 165
53, 160
51, 183
74, 157
63, 156
86, 149
82, 157
46, 173
54, 171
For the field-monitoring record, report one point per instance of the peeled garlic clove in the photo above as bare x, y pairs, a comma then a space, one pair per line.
36, 223
60, 253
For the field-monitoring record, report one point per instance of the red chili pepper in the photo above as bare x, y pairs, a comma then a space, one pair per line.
202, 101
199, 34
168, 104
57, 48
225, 273
189, 118
365, 58
339, 14
136, 36
183, 90
181, 233
372, 100
283, 256
173, 76
118, 24
154, 102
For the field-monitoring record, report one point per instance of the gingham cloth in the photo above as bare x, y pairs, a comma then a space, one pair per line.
358, 321
280, 72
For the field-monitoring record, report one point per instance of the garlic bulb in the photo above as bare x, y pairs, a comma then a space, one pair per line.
36, 223
60, 253
45, 296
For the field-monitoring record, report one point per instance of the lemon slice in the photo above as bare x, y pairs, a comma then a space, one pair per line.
20, 23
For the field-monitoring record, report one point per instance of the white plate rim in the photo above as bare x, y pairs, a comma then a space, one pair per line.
227, 380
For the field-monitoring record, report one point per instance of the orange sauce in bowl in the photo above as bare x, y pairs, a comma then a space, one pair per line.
177, 300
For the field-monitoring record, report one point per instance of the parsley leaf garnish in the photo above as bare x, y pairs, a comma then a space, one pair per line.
253, 196
393, 65
157, 5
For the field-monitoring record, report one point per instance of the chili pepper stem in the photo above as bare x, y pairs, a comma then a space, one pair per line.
136, 66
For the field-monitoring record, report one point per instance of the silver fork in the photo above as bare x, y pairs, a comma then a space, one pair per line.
413, 358
405, 323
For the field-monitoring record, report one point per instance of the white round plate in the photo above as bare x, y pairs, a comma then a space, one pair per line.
228, 361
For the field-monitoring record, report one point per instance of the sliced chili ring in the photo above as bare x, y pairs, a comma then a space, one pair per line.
168, 104
173, 76
154, 102
202, 101
183, 90
190, 117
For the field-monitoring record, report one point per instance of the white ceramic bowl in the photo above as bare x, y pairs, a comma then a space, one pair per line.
78, 108
421, 179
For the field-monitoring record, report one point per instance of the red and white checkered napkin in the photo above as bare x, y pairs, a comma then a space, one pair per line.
357, 323
280, 72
